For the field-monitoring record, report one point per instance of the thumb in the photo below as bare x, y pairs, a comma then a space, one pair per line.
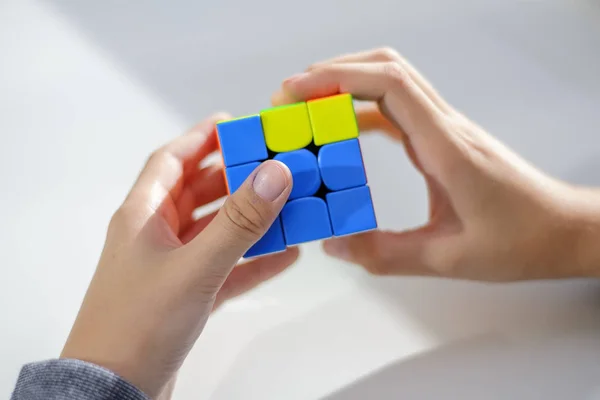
244, 218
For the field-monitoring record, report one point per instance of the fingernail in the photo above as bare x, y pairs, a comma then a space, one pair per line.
278, 98
337, 248
221, 116
270, 181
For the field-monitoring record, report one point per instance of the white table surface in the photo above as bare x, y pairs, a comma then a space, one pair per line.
88, 89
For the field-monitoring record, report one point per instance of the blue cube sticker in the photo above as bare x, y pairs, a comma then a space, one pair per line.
242, 140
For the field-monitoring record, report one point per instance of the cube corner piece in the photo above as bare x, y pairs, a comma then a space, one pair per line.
241, 140
332, 119
351, 211
287, 128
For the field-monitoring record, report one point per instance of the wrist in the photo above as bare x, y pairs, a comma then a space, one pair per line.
582, 231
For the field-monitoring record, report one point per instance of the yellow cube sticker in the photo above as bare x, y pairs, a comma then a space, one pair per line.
287, 128
332, 119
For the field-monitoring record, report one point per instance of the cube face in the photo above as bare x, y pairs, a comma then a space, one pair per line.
286, 128
242, 140
317, 140
332, 119
341, 165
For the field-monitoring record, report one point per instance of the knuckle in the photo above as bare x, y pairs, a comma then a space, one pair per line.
163, 158
244, 217
313, 67
156, 156
160, 156
326, 70
119, 216
395, 73
447, 261
386, 53
121, 220
455, 123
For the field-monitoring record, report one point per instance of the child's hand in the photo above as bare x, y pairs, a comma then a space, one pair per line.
492, 216
162, 272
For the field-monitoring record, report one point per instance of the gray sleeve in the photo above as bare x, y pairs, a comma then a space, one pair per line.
67, 379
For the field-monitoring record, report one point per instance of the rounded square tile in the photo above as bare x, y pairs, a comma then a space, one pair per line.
305, 220
351, 211
341, 165
286, 127
242, 140
332, 119
305, 172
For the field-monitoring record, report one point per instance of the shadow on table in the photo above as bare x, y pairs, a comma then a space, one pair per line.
488, 367
517, 341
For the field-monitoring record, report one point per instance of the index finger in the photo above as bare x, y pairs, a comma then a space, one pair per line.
166, 169
386, 54
386, 83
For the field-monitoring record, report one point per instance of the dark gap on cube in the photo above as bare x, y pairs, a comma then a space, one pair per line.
322, 191
270, 154
313, 148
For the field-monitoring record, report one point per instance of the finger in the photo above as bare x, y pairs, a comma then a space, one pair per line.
281, 98
402, 101
195, 227
417, 252
386, 54
207, 184
248, 276
208, 124
204, 186
162, 178
369, 118
244, 218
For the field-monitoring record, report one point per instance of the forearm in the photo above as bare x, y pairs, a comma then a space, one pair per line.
67, 379
586, 218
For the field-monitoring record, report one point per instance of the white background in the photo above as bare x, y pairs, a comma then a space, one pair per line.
88, 89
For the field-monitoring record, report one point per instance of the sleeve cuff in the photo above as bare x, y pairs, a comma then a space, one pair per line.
68, 379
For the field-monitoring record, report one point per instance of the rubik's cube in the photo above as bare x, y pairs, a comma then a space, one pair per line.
318, 141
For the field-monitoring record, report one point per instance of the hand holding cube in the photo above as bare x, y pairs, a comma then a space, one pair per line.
318, 142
